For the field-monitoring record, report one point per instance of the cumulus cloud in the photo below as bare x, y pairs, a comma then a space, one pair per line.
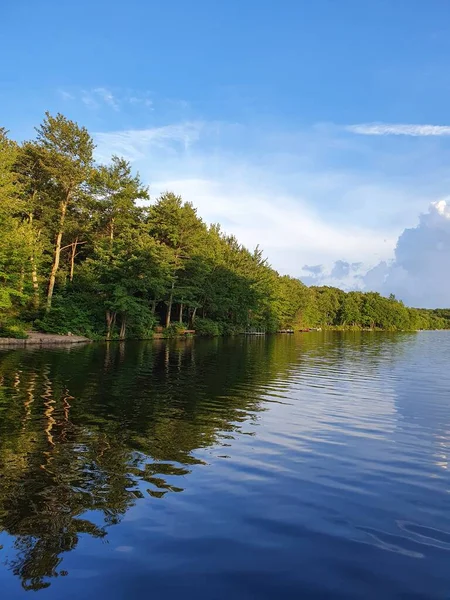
340, 269
342, 274
419, 272
314, 269
399, 129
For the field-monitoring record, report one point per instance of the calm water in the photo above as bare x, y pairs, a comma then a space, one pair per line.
306, 466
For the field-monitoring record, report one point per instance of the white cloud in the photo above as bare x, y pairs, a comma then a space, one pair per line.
283, 212
419, 272
341, 274
143, 100
107, 97
88, 100
284, 193
285, 226
399, 129
139, 144
100, 96
316, 270
65, 95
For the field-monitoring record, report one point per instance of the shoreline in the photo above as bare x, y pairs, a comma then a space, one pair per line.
49, 339
43, 339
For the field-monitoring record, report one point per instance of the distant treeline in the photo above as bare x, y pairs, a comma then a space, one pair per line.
82, 251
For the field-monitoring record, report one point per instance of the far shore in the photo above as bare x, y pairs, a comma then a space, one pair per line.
43, 339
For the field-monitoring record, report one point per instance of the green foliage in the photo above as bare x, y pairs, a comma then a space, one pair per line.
73, 313
207, 327
66, 152
142, 326
174, 329
78, 238
14, 328
115, 191
229, 329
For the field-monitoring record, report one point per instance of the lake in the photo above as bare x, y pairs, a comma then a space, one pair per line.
292, 466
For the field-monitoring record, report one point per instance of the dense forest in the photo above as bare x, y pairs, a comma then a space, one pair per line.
83, 250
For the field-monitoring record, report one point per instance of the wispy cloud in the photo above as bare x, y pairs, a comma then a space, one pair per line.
140, 100
288, 192
243, 179
107, 97
138, 144
399, 129
88, 100
99, 97
65, 95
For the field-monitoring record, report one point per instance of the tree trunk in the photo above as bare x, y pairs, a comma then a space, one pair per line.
193, 317
169, 305
123, 327
73, 253
57, 254
34, 277
22, 278
153, 309
110, 322
111, 230
35, 282
181, 313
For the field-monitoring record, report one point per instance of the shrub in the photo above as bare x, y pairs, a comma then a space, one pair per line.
14, 329
206, 327
74, 314
229, 328
141, 325
174, 329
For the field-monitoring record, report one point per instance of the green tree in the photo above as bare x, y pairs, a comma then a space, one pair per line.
176, 224
350, 309
116, 191
14, 233
66, 157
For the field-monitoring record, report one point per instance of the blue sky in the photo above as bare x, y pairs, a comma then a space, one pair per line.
302, 126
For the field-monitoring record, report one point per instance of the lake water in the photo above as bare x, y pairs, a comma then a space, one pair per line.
306, 466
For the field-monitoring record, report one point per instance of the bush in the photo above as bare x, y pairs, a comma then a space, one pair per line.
72, 314
174, 329
229, 329
141, 325
206, 327
14, 329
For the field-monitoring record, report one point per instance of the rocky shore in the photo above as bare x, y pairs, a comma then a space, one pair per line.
43, 339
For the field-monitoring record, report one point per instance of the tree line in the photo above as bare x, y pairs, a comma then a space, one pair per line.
83, 250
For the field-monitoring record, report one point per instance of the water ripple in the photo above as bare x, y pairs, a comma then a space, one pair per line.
309, 466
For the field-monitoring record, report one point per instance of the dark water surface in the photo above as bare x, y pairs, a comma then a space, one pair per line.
306, 466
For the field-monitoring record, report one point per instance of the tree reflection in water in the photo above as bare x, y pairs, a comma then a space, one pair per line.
86, 433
